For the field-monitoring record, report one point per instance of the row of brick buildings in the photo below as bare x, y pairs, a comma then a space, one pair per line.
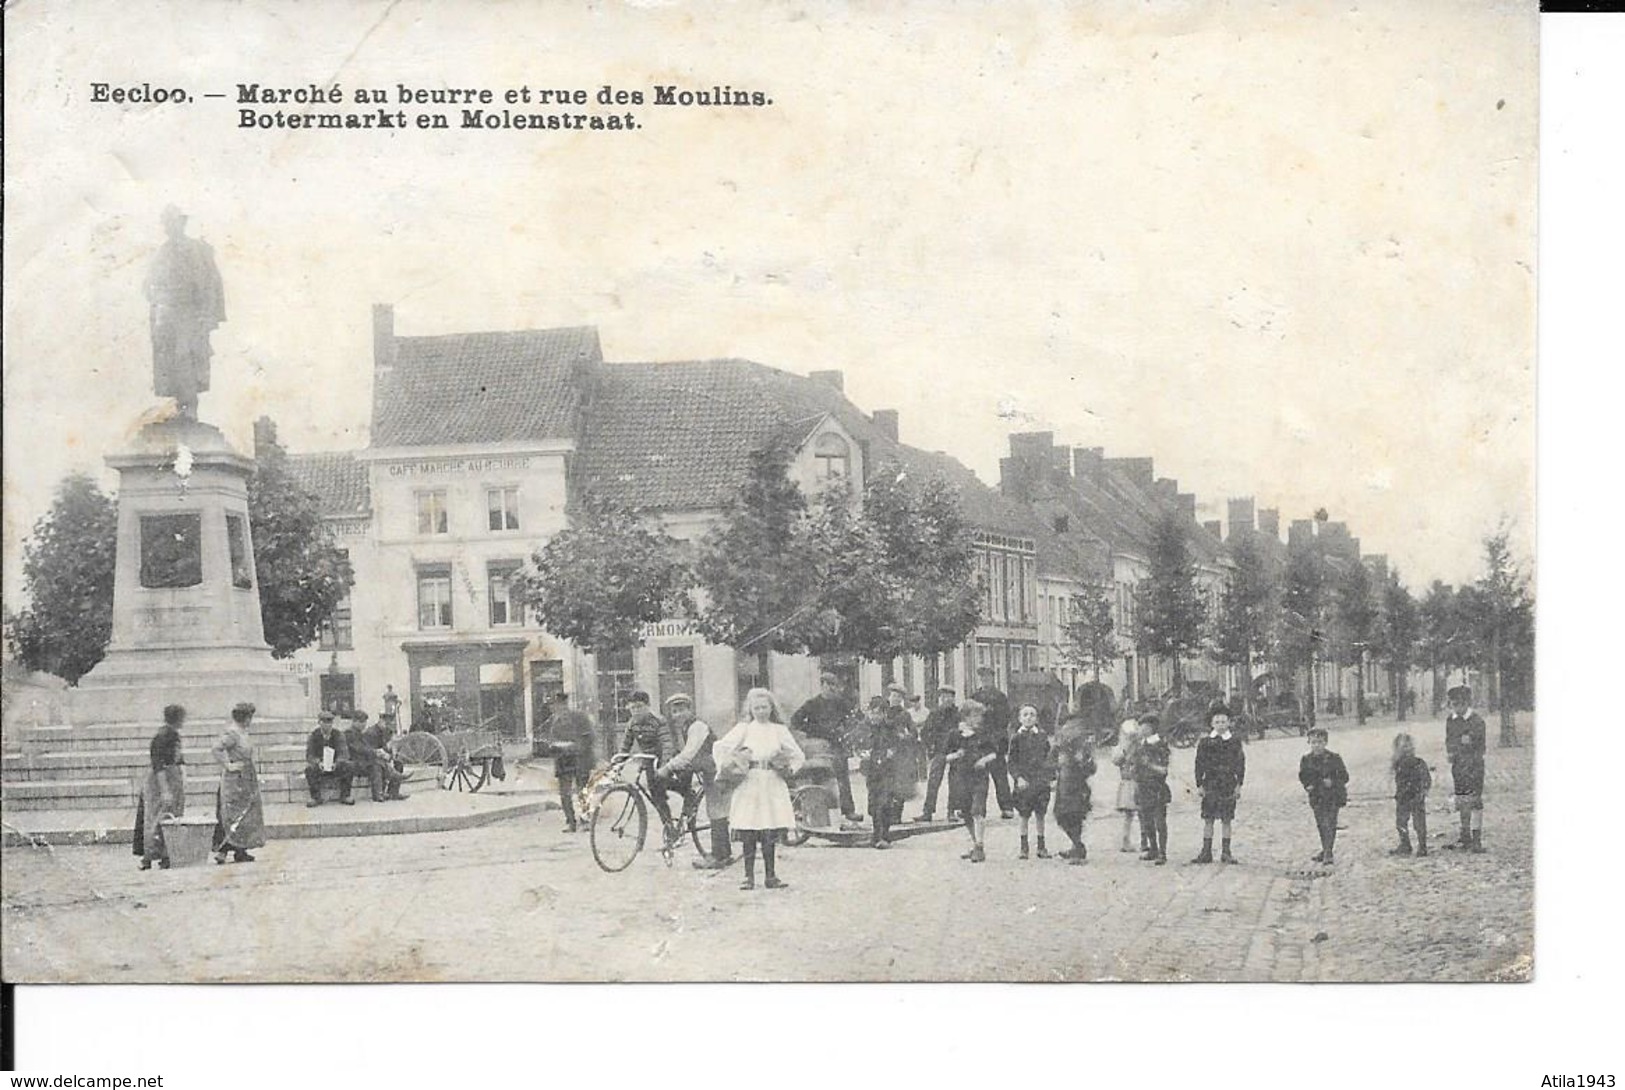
479, 440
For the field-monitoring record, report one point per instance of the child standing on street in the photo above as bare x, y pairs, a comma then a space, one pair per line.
1411, 782
1464, 740
1326, 779
1151, 794
879, 770
1123, 757
1074, 756
970, 752
1030, 768
1221, 766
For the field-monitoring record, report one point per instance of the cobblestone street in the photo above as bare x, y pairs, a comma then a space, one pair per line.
521, 900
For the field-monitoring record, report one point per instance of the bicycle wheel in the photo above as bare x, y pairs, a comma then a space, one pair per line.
699, 825
812, 804
619, 824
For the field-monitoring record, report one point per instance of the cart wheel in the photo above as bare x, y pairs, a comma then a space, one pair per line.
699, 826
419, 749
466, 775
804, 800
619, 824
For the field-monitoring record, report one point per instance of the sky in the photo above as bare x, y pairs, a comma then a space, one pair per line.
1287, 250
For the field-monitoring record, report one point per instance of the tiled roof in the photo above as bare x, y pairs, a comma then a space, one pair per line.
678, 436
466, 388
337, 479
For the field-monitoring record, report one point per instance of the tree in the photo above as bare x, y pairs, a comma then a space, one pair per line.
1091, 639
1508, 612
1171, 610
1303, 603
1357, 616
303, 574
600, 581
754, 564
1242, 626
1437, 616
68, 579
1397, 637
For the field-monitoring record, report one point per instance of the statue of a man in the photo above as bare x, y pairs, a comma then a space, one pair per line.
186, 302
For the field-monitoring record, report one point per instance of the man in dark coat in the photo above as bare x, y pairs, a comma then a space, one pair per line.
327, 760
1464, 743
996, 723
369, 750
1221, 766
825, 716
939, 726
570, 733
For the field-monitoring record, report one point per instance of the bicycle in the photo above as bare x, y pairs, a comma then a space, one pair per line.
620, 815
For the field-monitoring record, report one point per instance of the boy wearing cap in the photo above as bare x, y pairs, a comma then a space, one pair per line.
1325, 779
1464, 744
997, 725
879, 768
939, 727
647, 733
1151, 794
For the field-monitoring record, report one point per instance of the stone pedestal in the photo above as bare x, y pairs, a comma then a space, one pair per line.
186, 608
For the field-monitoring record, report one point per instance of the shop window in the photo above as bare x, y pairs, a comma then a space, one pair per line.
676, 673
432, 517
242, 570
337, 693
502, 509
615, 684
506, 606
434, 597
171, 550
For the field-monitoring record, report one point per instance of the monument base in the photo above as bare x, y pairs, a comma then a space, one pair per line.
135, 685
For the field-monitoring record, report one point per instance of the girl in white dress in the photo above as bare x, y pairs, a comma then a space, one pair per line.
763, 749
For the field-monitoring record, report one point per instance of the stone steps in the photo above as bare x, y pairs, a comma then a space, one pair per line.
137, 736
117, 794
110, 763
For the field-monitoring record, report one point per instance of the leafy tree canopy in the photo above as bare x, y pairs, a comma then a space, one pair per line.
68, 579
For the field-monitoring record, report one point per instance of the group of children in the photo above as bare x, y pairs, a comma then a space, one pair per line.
1042, 769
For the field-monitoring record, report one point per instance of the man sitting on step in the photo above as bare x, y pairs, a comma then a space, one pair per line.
370, 751
327, 761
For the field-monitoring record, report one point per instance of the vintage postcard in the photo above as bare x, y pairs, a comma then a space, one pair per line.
769, 492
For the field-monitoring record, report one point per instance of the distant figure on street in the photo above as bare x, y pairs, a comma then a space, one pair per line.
391, 715
971, 753
762, 748
1074, 763
239, 814
327, 760
825, 716
163, 793
1032, 770
1221, 766
940, 726
1326, 780
996, 721
570, 733
1412, 779
1465, 738
1151, 795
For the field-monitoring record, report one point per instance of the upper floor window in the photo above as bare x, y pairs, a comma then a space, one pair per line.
432, 512
434, 597
832, 458
338, 631
506, 608
502, 508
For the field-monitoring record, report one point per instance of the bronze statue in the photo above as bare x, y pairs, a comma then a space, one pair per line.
186, 303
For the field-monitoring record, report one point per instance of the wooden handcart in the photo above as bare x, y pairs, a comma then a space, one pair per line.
460, 760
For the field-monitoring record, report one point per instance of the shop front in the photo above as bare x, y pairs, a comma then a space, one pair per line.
468, 685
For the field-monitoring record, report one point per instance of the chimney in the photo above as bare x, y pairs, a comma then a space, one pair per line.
1166, 488
1240, 515
1088, 463
1187, 504
1301, 533
1139, 471
829, 378
884, 419
383, 337
1213, 526
1269, 522
264, 436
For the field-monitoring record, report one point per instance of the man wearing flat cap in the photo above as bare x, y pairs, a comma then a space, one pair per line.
825, 717
694, 760
647, 733
327, 760
1465, 738
939, 727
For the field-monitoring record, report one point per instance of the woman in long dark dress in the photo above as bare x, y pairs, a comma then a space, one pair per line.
239, 816
163, 793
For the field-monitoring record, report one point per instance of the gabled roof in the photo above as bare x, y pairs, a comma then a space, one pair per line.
338, 480
469, 388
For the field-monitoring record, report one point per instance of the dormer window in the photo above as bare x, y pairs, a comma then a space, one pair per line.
832, 458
